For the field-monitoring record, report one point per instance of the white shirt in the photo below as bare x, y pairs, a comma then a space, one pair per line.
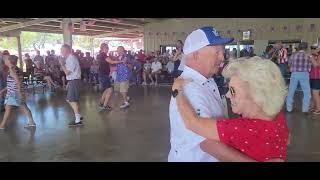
204, 96
155, 66
182, 62
72, 65
170, 66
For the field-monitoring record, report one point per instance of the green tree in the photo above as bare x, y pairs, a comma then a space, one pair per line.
33, 40
82, 41
9, 43
37, 40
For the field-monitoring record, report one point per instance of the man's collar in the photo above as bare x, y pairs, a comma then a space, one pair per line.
194, 74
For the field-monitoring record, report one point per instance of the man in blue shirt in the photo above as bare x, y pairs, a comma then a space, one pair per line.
124, 66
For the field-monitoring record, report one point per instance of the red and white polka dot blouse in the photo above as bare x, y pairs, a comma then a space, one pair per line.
259, 139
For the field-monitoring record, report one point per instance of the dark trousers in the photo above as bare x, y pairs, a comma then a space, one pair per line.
283, 68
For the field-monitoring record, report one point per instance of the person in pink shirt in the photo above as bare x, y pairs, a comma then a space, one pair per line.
315, 81
257, 93
113, 72
141, 56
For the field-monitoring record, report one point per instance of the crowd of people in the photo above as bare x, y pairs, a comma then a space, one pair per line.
67, 72
298, 65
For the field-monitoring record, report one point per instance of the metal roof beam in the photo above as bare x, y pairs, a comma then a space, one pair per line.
118, 32
25, 24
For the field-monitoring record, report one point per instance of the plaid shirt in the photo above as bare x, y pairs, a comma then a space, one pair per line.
300, 62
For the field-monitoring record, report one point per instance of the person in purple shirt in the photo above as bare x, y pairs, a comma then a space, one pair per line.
124, 66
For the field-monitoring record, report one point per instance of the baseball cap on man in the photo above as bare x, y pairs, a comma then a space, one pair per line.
303, 45
205, 36
317, 48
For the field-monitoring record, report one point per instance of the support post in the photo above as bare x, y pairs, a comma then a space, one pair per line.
67, 35
238, 49
92, 46
20, 52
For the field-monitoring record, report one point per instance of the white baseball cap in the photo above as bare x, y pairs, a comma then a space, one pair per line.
202, 37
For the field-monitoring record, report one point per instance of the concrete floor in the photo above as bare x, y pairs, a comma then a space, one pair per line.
140, 133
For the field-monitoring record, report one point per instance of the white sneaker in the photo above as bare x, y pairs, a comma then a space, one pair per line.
151, 83
124, 105
144, 84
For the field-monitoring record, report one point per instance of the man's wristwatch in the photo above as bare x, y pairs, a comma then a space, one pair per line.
175, 93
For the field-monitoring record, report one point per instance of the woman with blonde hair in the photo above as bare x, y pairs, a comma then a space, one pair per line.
257, 93
15, 96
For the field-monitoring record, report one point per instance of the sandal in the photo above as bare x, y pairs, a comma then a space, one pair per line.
29, 125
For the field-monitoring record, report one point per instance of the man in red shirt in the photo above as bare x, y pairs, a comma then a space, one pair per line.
281, 57
141, 56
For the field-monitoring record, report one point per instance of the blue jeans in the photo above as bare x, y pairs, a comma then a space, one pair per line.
303, 79
283, 68
136, 77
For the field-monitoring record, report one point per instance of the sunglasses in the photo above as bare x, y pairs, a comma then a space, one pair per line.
232, 91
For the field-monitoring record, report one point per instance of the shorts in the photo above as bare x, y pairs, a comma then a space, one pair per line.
73, 94
147, 71
104, 81
315, 84
13, 99
154, 72
122, 87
